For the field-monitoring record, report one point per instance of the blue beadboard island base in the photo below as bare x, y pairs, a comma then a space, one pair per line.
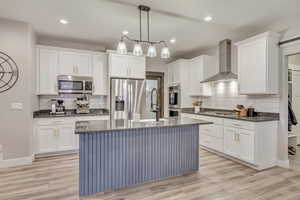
114, 159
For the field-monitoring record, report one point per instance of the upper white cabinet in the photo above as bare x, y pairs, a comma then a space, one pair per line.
77, 64
258, 64
174, 69
127, 66
178, 74
100, 74
47, 69
201, 67
54, 61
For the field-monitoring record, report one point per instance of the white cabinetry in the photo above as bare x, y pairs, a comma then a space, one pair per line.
239, 143
259, 57
100, 74
252, 143
54, 135
126, 66
65, 136
46, 139
47, 70
77, 64
174, 70
201, 68
54, 61
178, 74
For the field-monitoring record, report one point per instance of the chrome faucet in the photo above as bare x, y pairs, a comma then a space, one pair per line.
156, 105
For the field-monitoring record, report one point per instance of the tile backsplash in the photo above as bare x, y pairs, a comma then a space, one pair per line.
225, 96
69, 101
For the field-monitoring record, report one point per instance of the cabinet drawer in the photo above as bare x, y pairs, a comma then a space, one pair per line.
53, 121
239, 124
215, 120
211, 142
212, 130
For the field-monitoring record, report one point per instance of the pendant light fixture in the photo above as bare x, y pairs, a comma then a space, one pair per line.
138, 47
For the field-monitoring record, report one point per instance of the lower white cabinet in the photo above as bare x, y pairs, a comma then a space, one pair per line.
239, 143
46, 139
253, 143
53, 135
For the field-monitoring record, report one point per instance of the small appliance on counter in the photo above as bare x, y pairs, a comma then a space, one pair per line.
83, 105
251, 112
57, 107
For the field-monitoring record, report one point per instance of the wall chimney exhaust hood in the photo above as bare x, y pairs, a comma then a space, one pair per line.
225, 72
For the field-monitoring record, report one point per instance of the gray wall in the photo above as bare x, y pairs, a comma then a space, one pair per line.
18, 41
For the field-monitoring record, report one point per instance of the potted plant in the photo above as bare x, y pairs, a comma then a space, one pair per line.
197, 106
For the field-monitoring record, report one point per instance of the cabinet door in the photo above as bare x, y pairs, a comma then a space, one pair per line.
170, 75
100, 74
67, 64
47, 71
196, 74
252, 62
46, 139
75, 64
176, 73
118, 66
246, 145
66, 137
231, 146
83, 64
137, 67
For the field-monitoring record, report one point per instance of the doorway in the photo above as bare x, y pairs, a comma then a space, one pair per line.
154, 80
294, 110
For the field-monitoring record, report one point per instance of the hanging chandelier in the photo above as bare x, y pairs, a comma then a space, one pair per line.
139, 43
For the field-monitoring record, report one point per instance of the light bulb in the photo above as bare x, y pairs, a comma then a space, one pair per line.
165, 52
122, 49
137, 50
152, 51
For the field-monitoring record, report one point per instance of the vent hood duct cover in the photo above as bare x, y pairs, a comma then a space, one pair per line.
224, 62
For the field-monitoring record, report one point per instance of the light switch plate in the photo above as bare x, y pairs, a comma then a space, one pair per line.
17, 106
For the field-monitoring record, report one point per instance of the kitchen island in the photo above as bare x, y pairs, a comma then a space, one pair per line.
119, 153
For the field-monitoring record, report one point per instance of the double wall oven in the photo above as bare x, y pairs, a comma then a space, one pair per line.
174, 101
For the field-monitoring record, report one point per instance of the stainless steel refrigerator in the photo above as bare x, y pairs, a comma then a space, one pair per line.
128, 98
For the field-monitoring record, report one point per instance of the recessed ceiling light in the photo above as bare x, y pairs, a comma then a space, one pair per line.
63, 21
173, 40
207, 18
125, 32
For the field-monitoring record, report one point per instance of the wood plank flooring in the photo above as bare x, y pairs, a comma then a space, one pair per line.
56, 178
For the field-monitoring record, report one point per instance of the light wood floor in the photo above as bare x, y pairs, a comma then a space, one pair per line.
218, 179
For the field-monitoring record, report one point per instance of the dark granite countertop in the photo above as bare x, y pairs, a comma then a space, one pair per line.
230, 114
70, 113
115, 125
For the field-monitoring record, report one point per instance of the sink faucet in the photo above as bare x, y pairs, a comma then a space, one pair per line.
156, 105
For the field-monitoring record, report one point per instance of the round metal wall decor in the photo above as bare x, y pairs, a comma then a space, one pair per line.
9, 72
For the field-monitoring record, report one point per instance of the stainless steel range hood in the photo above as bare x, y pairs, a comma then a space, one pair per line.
224, 63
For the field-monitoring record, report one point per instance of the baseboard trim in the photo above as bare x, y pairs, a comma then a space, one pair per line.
16, 162
283, 163
58, 153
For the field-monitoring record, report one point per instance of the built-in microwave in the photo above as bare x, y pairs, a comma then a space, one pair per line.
75, 84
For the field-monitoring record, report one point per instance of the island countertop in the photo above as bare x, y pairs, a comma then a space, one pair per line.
121, 124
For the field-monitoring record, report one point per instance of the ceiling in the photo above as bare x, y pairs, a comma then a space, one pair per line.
102, 21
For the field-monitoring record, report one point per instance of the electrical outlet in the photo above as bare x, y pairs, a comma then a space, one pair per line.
17, 106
